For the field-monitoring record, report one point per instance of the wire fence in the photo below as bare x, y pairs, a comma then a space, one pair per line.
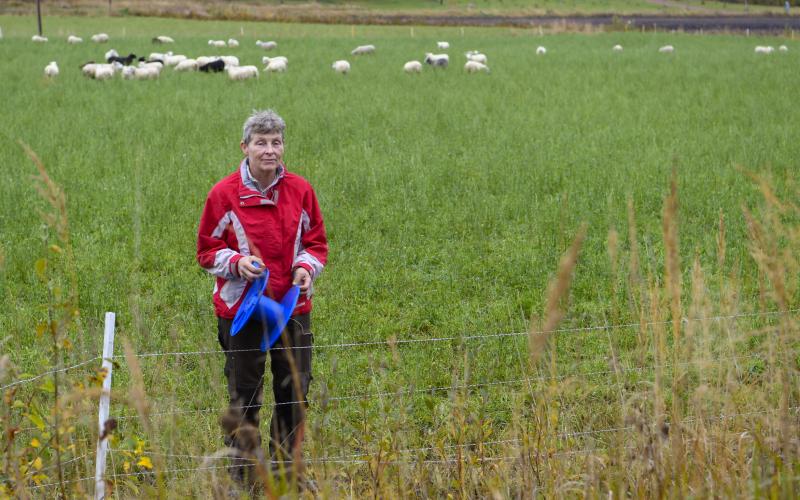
359, 457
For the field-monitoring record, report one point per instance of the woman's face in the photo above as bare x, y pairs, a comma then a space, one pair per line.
265, 152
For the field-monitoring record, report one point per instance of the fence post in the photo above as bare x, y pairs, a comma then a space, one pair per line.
105, 401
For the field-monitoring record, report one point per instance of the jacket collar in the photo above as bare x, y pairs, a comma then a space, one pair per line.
250, 189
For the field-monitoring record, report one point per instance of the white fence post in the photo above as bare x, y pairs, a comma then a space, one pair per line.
105, 401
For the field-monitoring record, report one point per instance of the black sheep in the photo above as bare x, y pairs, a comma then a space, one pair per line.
127, 60
213, 66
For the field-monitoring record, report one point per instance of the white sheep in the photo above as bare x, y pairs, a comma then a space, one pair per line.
100, 38
276, 66
341, 66
51, 70
103, 72
442, 45
474, 55
150, 71
761, 49
540, 51
187, 65
110, 53
217, 43
232, 42
783, 48
229, 60
39, 39
203, 60
74, 39
163, 39
266, 60
267, 45
88, 69
412, 67
242, 72
363, 50
129, 72
617, 48
158, 55
437, 60
667, 49
475, 66
174, 60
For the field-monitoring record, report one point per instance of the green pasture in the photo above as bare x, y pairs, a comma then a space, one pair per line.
448, 199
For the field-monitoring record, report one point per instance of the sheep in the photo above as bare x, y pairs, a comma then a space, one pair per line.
100, 38
363, 50
412, 67
74, 39
276, 66
39, 39
242, 72
51, 70
540, 51
232, 42
442, 45
126, 61
157, 56
217, 43
110, 53
474, 55
266, 60
475, 66
341, 66
103, 72
187, 65
437, 60
760, 49
213, 67
163, 39
230, 60
783, 48
174, 60
147, 73
667, 49
617, 48
267, 45
88, 69
129, 72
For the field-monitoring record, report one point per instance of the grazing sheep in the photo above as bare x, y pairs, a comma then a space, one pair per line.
267, 45
232, 42
437, 60
230, 61
147, 73
88, 69
129, 72
174, 60
242, 72
276, 66
157, 56
341, 66
412, 67
442, 45
74, 39
213, 67
103, 72
163, 39
761, 49
125, 61
363, 50
100, 38
783, 48
266, 60
474, 55
617, 48
667, 49
187, 65
475, 66
51, 70
39, 39
217, 43
540, 51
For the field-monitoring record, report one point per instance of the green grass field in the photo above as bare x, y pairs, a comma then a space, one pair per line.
448, 199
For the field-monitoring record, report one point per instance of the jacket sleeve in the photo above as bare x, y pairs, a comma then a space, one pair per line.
311, 248
213, 253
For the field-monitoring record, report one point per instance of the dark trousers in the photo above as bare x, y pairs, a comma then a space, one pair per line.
290, 363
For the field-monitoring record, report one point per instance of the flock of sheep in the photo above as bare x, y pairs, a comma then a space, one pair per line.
150, 67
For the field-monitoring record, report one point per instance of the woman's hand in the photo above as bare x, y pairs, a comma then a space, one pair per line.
250, 267
301, 278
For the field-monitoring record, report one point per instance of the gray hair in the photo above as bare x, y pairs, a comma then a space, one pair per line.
262, 122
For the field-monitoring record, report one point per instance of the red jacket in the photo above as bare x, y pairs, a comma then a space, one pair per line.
283, 227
